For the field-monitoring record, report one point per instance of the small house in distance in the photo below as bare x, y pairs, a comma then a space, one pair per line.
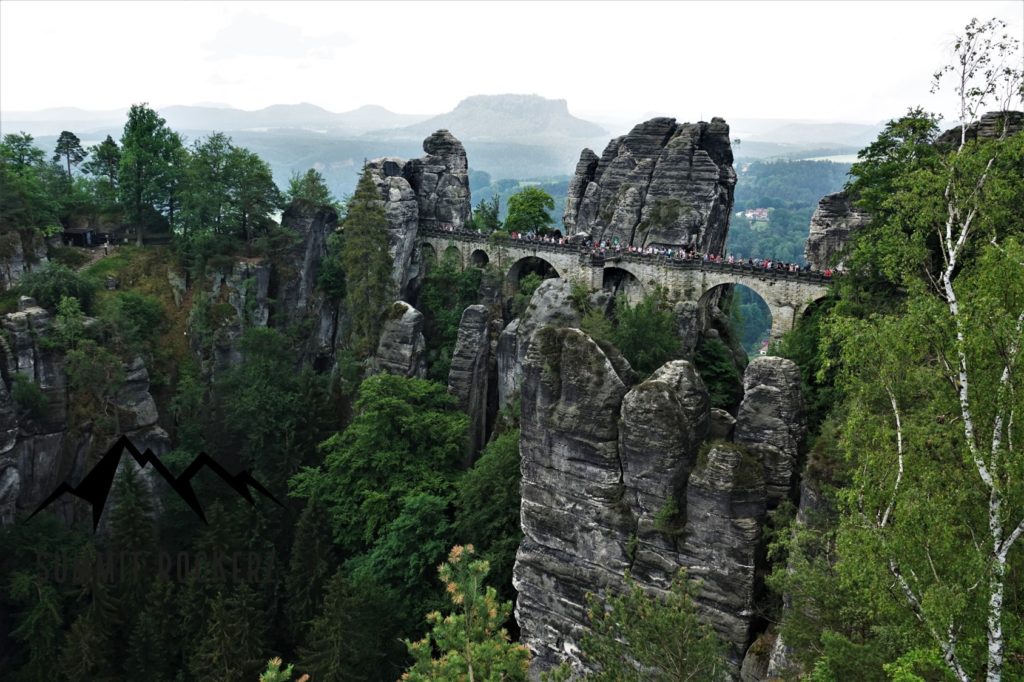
81, 236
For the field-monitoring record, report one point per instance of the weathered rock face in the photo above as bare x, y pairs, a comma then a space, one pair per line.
576, 526
233, 301
725, 512
771, 421
612, 480
471, 378
431, 192
402, 349
38, 453
662, 423
20, 252
551, 305
832, 225
989, 127
664, 183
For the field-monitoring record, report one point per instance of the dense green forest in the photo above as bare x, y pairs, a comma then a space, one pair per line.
790, 190
390, 555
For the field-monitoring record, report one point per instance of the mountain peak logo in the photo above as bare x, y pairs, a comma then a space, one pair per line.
95, 487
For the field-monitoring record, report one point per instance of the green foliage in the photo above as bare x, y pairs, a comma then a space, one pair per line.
445, 295
69, 148
790, 190
717, 368
367, 264
634, 636
488, 506
133, 322
153, 648
406, 437
485, 216
470, 641
29, 397
147, 150
232, 641
916, 579
309, 188
528, 211
353, 636
52, 283
331, 278
274, 673
39, 624
273, 415
646, 333
527, 286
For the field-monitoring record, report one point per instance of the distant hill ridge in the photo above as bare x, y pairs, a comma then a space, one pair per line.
504, 117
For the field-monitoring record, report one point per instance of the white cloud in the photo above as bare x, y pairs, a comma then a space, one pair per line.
257, 35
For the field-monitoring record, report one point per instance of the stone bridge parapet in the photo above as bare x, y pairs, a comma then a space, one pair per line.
787, 294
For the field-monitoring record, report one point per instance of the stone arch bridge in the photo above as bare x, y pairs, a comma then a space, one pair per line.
787, 294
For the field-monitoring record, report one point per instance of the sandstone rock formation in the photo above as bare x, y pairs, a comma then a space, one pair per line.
618, 476
576, 527
832, 225
402, 349
663, 183
771, 421
472, 377
39, 452
430, 192
989, 127
20, 252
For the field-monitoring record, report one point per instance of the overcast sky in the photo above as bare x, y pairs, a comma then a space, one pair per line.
850, 61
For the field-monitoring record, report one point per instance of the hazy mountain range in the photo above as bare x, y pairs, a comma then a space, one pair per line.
507, 136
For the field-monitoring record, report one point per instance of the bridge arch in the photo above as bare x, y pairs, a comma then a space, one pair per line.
454, 255
748, 308
619, 280
479, 258
428, 254
525, 266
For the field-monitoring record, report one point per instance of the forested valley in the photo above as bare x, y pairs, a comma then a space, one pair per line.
169, 290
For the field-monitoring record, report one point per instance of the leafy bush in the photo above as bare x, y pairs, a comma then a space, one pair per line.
28, 396
717, 367
48, 285
65, 255
445, 295
136, 319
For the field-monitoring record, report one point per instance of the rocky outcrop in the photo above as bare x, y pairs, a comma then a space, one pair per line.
832, 225
662, 423
725, 512
664, 183
618, 476
20, 252
990, 126
230, 302
471, 378
402, 348
550, 305
39, 451
430, 192
771, 421
576, 525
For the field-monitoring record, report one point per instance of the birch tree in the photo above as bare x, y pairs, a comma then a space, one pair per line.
932, 424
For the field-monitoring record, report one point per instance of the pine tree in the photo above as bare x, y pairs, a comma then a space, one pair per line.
471, 640
38, 625
232, 644
310, 567
154, 645
69, 148
352, 637
367, 264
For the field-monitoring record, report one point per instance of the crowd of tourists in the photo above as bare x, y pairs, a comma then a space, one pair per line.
610, 249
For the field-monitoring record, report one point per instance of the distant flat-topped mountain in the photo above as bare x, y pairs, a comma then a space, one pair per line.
523, 118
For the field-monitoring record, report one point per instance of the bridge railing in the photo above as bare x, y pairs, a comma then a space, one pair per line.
586, 254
